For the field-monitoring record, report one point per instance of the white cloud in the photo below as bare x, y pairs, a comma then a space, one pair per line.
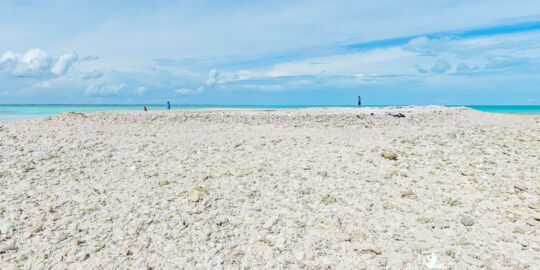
90, 58
463, 67
95, 74
210, 82
393, 60
263, 87
212, 78
45, 84
36, 63
419, 56
189, 91
183, 91
63, 63
140, 90
104, 90
420, 69
33, 63
441, 66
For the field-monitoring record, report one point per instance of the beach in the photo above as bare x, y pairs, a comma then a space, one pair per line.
316, 188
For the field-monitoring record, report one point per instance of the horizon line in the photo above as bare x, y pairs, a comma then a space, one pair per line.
222, 105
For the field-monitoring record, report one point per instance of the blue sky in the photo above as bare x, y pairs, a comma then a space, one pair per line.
270, 52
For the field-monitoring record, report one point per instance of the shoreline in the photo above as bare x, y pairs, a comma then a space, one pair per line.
255, 108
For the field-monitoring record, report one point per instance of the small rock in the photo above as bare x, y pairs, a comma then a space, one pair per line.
10, 245
171, 247
270, 223
61, 237
336, 220
506, 238
407, 193
389, 155
481, 167
440, 222
398, 115
37, 228
450, 201
222, 221
368, 248
434, 262
163, 182
523, 229
383, 262
195, 194
83, 256
6, 228
98, 247
328, 199
467, 221
535, 206
423, 220
450, 252
520, 187
299, 256
323, 173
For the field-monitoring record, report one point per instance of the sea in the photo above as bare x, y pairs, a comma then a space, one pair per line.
19, 112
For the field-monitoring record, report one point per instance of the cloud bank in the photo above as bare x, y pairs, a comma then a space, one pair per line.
104, 90
36, 63
210, 82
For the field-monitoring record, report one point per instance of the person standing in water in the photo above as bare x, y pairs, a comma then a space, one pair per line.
145, 109
168, 105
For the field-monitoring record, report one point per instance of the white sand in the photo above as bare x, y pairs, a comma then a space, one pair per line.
305, 188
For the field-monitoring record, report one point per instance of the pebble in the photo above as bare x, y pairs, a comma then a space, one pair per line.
328, 199
171, 247
195, 194
37, 228
163, 182
270, 223
83, 256
8, 245
433, 262
523, 229
467, 221
6, 228
423, 220
407, 193
389, 155
535, 206
61, 237
481, 166
440, 223
520, 187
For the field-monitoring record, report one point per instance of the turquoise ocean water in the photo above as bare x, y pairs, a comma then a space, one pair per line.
18, 112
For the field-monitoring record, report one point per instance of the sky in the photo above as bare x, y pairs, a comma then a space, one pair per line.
447, 52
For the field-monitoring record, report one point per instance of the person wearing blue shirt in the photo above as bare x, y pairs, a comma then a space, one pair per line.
168, 105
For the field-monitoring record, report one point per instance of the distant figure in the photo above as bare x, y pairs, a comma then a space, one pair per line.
145, 109
359, 101
168, 105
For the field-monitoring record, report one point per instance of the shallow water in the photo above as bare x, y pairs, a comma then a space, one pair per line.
18, 112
